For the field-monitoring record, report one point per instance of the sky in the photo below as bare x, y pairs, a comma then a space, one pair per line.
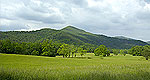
130, 18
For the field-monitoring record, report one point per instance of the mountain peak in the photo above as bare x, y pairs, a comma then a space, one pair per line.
72, 29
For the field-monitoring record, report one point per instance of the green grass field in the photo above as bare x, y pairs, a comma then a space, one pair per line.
90, 67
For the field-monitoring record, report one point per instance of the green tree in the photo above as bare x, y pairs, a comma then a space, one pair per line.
72, 49
108, 53
125, 52
18, 49
101, 50
122, 52
35, 46
25, 49
115, 51
75, 50
1, 46
49, 48
136, 50
97, 52
7, 46
83, 52
146, 52
80, 50
64, 50
61, 51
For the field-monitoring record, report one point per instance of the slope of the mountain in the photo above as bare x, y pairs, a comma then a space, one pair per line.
70, 35
122, 37
28, 36
101, 39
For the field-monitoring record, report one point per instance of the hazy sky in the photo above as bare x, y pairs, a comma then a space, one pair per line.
129, 18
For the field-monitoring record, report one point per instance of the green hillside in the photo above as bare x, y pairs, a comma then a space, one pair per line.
111, 42
69, 35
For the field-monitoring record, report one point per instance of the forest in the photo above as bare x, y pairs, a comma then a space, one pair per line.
70, 35
53, 49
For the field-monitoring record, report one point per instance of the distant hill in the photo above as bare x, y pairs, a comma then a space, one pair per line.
70, 35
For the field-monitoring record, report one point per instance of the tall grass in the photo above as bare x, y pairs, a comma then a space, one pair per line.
16, 67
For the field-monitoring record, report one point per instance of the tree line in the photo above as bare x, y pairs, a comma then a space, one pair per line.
135, 51
52, 48
43, 48
140, 51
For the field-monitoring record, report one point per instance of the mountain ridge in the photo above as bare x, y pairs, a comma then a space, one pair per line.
70, 35
123, 37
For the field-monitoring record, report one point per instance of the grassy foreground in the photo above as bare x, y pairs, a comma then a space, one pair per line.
27, 67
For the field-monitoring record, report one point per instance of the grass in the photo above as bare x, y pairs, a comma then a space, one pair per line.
27, 67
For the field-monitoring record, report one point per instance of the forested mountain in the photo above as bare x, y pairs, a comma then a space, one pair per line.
70, 35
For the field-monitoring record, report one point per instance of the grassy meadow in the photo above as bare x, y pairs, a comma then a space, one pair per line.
88, 67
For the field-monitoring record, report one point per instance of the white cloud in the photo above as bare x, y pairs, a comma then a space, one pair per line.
111, 17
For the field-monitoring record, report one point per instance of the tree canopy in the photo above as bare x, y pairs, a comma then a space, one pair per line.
101, 50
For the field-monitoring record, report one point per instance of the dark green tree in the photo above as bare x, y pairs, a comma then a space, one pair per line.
18, 49
136, 51
146, 52
101, 50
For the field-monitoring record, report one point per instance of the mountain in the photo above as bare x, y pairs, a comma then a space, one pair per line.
122, 37
70, 35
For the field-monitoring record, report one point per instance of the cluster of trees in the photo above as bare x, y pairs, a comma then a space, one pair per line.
135, 51
45, 48
53, 48
67, 50
104, 51
140, 51
120, 51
